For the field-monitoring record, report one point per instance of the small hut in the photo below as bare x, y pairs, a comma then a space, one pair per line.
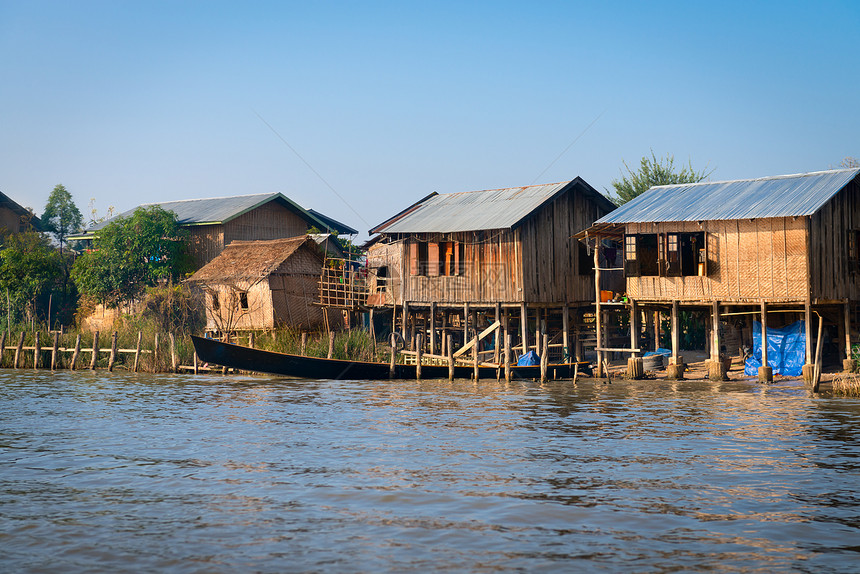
259, 285
14, 218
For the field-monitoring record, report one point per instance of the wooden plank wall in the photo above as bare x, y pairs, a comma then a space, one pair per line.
747, 261
491, 271
269, 221
550, 254
832, 277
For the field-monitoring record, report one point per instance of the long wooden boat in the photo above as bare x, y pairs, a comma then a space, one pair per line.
249, 359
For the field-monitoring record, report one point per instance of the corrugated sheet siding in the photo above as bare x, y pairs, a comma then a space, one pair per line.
747, 261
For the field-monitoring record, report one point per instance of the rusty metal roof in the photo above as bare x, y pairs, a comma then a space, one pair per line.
480, 210
780, 196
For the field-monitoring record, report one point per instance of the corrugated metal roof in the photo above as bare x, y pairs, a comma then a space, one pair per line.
780, 196
477, 210
218, 209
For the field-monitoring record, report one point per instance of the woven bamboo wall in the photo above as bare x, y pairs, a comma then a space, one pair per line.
205, 242
747, 261
269, 221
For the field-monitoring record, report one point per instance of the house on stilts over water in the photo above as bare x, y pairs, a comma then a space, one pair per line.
484, 263
750, 256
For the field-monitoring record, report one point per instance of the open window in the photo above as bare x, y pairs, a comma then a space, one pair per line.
433, 259
381, 279
243, 300
666, 254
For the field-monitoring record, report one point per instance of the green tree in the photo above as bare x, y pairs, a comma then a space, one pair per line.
130, 254
653, 171
29, 270
61, 216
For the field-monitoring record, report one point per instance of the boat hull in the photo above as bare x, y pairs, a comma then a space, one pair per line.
261, 361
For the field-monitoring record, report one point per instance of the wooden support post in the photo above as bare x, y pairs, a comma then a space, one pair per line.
848, 364
807, 317
507, 356
196, 367
598, 327
419, 355
765, 372
304, 343
173, 364
76, 353
251, 339
372, 331
634, 327
524, 321
433, 328
450, 348
497, 336
37, 351
409, 341
393, 355
816, 380
544, 357
137, 354
95, 355
465, 323
404, 327
330, 345
717, 368
113, 347
2, 346
565, 334
18, 349
657, 329
477, 374
675, 370
55, 351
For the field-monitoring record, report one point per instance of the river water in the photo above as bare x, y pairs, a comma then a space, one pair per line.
105, 472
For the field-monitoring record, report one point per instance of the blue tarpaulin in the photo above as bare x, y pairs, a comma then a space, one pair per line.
786, 350
529, 358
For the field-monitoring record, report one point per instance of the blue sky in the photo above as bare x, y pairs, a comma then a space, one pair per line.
134, 102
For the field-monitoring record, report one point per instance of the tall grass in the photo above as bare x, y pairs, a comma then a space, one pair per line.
847, 384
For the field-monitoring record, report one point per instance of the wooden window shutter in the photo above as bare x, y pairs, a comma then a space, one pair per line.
673, 255
631, 259
662, 259
457, 246
433, 259
413, 259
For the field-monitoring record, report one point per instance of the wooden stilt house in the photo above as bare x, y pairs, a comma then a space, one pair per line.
772, 250
471, 264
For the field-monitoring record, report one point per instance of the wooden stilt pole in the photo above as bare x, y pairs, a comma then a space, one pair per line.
433, 328
848, 364
635, 364
196, 367
393, 355
304, 343
675, 370
477, 374
419, 355
507, 356
450, 349
465, 323
330, 345
565, 334
524, 326
816, 381
717, 368
2, 346
765, 372
598, 318
544, 357
497, 336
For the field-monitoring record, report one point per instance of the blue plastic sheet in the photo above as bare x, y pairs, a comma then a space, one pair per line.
786, 350
529, 358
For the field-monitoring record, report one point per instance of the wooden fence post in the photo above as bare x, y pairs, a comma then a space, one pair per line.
37, 351
113, 345
18, 349
172, 353
95, 351
330, 344
304, 343
55, 351
137, 351
76, 352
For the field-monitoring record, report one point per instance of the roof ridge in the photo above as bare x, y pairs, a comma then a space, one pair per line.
211, 198
507, 188
767, 178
